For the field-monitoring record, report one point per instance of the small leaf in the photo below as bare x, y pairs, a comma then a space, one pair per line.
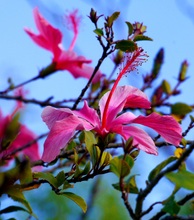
99, 32
112, 18
126, 45
12, 208
119, 167
60, 178
77, 199
166, 87
86, 168
158, 61
130, 28
159, 167
105, 160
48, 177
182, 178
16, 194
129, 185
181, 109
93, 150
183, 71
142, 37
171, 206
11, 131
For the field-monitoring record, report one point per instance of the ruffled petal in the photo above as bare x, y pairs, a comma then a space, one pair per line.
140, 138
166, 126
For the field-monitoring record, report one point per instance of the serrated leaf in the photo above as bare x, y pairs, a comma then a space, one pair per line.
48, 177
77, 199
171, 206
112, 18
180, 108
159, 167
99, 32
12, 208
130, 28
142, 37
182, 178
126, 45
16, 194
166, 87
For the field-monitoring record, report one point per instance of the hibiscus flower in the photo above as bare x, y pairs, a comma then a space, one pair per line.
50, 38
63, 122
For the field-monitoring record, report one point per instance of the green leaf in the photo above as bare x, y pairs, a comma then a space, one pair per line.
166, 87
25, 174
48, 177
158, 61
16, 194
93, 150
180, 109
86, 168
11, 131
130, 28
119, 167
126, 45
142, 37
182, 178
171, 206
99, 32
60, 178
12, 208
159, 167
112, 18
77, 199
105, 160
129, 185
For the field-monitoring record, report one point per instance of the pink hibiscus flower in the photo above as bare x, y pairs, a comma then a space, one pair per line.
64, 122
23, 136
50, 38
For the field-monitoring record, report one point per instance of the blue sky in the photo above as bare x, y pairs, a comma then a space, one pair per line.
169, 23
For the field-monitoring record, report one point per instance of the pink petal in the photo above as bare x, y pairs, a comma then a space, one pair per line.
166, 126
123, 96
50, 115
88, 114
140, 138
49, 38
61, 133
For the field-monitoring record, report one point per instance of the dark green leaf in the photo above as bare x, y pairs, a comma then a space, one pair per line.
130, 28
171, 206
60, 178
158, 61
77, 199
86, 168
182, 178
16, 194
159, 167
126, 45
25, 174
99, 32
48, 177
180, 108
142, 37
12, 209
